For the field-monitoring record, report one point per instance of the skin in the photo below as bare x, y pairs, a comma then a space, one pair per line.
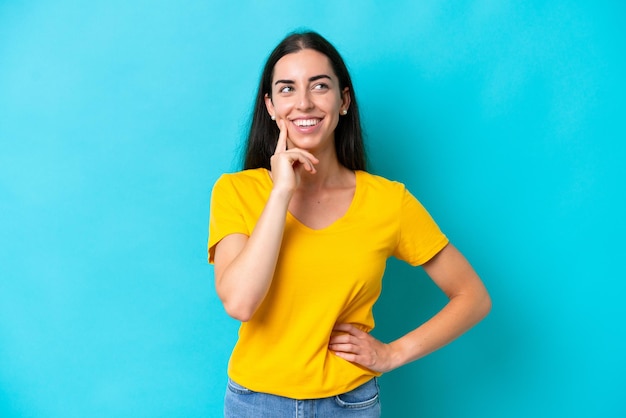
309, 182
468, 303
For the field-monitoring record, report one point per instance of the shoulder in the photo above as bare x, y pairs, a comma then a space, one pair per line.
381, 185
244, 179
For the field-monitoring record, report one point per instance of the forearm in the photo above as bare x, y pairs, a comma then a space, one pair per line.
459, 315
243, 284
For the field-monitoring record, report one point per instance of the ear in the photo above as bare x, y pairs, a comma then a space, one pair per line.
269, 105
345, 98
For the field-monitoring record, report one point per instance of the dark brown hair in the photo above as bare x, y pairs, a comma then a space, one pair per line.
263, 133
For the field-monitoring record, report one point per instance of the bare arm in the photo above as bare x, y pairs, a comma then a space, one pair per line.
468, 303
244, 266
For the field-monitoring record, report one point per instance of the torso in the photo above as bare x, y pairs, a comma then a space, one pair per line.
322, 277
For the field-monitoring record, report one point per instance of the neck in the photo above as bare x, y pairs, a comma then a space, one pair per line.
329, 173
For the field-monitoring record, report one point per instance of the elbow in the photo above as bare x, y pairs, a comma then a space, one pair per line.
239, 311
239, 316
237, 305
484, 305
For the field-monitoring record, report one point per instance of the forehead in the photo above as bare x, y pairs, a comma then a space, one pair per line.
303, 64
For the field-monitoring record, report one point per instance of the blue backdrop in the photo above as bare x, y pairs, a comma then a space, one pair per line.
506, 119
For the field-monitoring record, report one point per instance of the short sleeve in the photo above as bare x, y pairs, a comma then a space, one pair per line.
225, 214
420, 238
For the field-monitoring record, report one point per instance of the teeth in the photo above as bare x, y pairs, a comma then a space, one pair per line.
306, 122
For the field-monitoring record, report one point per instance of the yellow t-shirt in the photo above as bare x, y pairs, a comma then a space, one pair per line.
322, 277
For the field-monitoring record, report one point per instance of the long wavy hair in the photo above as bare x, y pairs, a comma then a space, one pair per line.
263, 134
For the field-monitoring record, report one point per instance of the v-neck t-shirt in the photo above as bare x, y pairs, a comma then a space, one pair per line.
323, 277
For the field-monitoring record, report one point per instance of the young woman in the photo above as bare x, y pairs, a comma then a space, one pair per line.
299, 240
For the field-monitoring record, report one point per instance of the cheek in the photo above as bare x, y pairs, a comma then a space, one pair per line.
335, 104
281, 106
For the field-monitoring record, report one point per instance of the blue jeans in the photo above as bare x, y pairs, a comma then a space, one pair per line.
361, 402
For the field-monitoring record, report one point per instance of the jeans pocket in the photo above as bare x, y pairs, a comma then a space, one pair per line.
365, 396
237, 388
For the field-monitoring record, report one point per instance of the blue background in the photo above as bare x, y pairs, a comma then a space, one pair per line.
506, 119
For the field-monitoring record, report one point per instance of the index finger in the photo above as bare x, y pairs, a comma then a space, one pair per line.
348, 328
281, 144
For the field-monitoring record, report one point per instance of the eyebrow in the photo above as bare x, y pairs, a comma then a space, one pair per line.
311, 79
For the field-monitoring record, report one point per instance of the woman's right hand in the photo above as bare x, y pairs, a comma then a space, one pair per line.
286, 164
244, 265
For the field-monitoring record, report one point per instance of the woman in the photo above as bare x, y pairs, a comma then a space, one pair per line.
299, 240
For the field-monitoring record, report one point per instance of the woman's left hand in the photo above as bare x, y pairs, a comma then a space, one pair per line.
361, 348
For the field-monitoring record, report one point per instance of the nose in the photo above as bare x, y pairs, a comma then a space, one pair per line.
304, 100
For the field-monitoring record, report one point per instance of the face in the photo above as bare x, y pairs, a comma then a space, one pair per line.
307, 96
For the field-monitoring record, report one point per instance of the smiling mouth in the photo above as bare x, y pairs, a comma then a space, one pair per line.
305, 123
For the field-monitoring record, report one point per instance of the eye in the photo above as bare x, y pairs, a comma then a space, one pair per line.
321, 86
285, 89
